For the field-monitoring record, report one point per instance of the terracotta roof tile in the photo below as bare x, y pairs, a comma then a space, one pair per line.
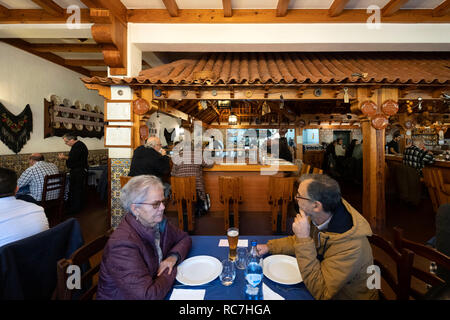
298, 68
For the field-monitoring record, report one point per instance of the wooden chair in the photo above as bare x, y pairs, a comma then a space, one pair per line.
184, 190
54, 184
280, 190
317, 170
306, 168
124, 180
429, 183
443, 189
82, 258
403, 260
231, 190
426, 252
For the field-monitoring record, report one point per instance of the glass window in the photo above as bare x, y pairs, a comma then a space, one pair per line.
310, 136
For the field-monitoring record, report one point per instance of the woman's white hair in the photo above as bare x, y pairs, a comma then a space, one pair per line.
136, 190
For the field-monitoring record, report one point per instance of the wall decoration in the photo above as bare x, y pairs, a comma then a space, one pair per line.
61, 116
118, 111
118, 137
15, 130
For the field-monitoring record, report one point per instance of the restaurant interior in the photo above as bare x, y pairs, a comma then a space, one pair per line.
191, 71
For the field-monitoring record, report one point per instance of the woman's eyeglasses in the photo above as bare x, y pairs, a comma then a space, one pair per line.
155, 204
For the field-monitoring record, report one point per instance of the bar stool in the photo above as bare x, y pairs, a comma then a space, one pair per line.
183, 189
443, 189
231, 190
280, 190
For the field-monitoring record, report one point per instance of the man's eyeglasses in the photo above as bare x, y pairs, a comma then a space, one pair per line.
298, 197
155, 204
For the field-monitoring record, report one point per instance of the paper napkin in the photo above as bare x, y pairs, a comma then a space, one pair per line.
269, 294
188, 294
241, 243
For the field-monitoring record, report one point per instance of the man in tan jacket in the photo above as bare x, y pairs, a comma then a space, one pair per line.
333, 253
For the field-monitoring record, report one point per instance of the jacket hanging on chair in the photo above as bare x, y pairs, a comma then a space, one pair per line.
15, 130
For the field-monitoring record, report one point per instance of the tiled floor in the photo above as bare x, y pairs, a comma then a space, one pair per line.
417, 222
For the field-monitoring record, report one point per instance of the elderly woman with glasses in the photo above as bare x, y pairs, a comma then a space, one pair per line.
140, 258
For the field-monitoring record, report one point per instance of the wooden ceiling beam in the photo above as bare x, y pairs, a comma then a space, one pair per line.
282, 7
85, 62
171, 7
50, 7
39, 16
266, 16
392, 7
442, 9
116, 8
65, 47
25, 46
337, 7
4, 11
227, 9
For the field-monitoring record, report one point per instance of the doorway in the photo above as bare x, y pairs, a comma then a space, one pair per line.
342, 134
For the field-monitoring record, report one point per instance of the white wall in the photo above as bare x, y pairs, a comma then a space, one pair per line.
28, 79
161, 122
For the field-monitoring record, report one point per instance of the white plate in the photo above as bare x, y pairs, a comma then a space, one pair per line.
282, 269
198, 270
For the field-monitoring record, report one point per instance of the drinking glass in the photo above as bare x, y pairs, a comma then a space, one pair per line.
233, 236
241, 258
228, 272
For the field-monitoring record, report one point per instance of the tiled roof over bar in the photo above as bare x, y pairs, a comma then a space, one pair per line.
297, 68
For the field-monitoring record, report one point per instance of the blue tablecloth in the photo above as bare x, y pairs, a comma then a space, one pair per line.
208, 245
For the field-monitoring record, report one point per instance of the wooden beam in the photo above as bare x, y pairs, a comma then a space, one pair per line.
50, 7
65, 47
4, 11
442, 9
171, 7
101, 74
282, 8
392, 7
227, 9
337, 7
116, 8
39, 16
266, 16
23, 45
86, 62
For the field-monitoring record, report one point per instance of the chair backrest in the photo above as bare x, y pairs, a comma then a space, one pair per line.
281, 188
426, 252
124, 180
83, 259
317, 170
306, 168
442, 195
403, 259
231, 188
54, 187
183, 188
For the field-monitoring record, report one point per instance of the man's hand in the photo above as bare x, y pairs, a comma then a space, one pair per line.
61, 156
167, 263
163, 151
301, 226
262, 249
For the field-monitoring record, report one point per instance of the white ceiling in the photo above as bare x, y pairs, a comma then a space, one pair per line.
236, 4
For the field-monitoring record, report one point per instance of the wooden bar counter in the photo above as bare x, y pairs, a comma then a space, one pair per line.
444, 165
255, 179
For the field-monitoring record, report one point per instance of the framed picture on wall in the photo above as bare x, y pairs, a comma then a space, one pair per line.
118, 137
118, 110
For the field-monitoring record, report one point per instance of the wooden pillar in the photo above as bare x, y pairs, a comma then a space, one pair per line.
374, 141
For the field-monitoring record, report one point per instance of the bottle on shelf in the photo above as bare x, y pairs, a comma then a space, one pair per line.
254, 275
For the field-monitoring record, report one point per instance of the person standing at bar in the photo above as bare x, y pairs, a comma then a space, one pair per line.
77, 162
393, 145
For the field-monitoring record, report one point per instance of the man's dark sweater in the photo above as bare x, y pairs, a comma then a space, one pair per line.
78, 156
149, 161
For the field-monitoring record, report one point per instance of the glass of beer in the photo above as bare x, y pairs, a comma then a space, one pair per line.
233, 236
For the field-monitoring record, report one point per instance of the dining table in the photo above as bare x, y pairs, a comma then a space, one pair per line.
214, 290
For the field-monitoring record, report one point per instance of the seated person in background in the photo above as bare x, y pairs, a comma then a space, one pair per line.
18, 219
333, 253
339, 148
34, 177
393, 145
182, 168
139, 261
151, 159
417, 156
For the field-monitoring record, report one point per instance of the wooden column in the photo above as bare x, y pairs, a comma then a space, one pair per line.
374, 202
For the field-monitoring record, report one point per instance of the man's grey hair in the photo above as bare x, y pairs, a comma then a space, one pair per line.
419, 142
324, 189
151, 142
137, 188
70, 136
